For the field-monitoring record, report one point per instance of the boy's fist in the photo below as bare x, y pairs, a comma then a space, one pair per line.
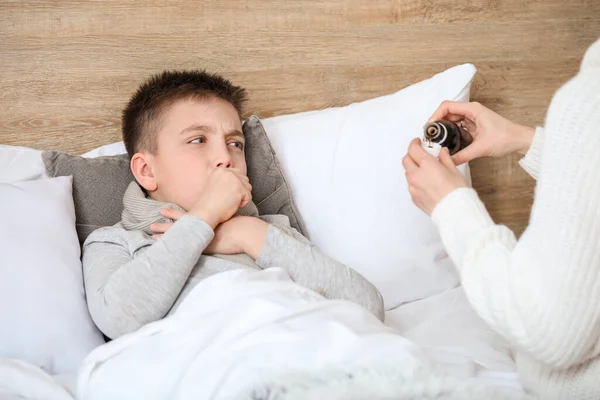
226, 191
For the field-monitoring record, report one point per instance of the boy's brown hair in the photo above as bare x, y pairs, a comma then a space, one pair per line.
142, 116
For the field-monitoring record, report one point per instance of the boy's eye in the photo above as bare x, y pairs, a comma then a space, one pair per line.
198, 140
239, 145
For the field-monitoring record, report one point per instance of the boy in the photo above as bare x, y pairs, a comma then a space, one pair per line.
183, 133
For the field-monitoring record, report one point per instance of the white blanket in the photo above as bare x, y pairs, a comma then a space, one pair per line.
257, 335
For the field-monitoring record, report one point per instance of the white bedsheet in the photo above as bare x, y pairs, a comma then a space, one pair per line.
20, 380
446, 324
224, 345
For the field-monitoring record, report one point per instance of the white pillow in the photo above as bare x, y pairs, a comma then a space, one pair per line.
344, 168
106, 150
21, 164
43, 312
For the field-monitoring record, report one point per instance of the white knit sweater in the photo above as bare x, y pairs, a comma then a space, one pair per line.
542, 292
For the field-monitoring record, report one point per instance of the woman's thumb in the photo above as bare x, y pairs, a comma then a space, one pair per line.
467, 154
445, 158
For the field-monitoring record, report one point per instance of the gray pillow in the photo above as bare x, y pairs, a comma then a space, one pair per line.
270, 190
98, 187
99, 183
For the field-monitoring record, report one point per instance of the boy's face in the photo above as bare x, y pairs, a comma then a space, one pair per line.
196, 137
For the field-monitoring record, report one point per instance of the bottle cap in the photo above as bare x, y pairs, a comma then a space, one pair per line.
431, 147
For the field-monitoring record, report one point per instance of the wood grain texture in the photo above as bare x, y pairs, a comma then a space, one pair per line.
68, 67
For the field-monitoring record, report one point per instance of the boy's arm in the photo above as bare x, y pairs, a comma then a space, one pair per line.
126, 292
272, 242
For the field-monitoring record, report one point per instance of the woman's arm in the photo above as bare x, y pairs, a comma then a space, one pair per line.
542, 292
531, 161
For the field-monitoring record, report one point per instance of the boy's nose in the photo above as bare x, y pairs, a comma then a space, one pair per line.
224, 164
223, 158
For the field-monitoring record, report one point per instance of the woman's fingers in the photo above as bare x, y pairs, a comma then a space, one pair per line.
408, 164
417, 153
446, 159
469, 153
466, 137
455, 108
454, 118
469, 125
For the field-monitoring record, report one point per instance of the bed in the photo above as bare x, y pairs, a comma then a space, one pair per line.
69, 67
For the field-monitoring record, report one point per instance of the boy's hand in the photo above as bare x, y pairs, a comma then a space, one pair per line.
239, 235
226, 191
248, 233
160, 228
234, 236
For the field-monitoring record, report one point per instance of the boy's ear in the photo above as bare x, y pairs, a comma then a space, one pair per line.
141, 167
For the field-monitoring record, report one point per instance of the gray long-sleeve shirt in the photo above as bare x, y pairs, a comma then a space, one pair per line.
132, 279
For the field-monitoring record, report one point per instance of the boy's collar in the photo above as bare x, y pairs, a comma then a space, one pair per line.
140, 211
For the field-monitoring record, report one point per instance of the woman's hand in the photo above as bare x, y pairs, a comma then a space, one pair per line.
493, 135
429, 179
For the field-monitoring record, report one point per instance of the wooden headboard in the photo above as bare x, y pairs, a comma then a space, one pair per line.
68, 67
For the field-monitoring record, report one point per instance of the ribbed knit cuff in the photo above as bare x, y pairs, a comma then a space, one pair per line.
531, 161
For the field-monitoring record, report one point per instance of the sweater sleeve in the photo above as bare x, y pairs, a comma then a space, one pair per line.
126, 289
286, 248
543, 291
531, 161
